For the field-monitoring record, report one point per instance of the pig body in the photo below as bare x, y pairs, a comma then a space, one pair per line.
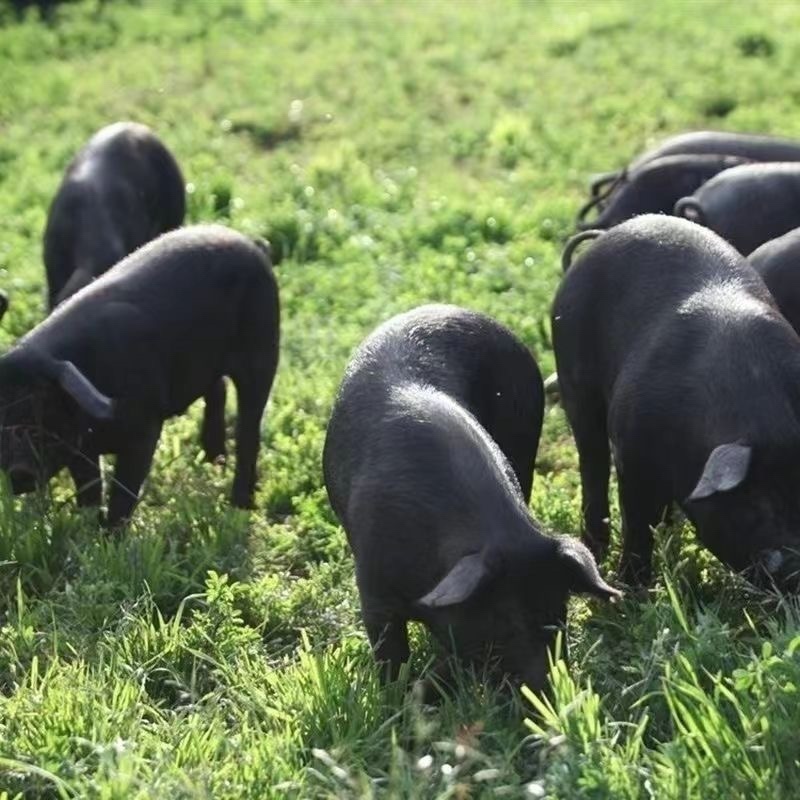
747, 205
669, 345
135, 347
742, 145
746, 146
433, 507
655, 187
121, 190
778, 263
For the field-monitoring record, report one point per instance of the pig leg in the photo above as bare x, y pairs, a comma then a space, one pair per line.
389, 640
212, 434
85, 472
591, 437
439, 682
251, 397
133, 464
519, 444
522, 463
642, 510
252, 376
514, 422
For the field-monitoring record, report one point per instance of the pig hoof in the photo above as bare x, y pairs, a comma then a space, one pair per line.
113, 527
634, 574
242, 500
597, 547
428, 691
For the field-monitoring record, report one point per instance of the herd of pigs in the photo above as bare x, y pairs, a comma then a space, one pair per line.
676, 350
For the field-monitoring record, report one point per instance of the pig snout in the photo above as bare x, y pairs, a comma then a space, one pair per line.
527, 663
522, 666
21, 459
779, 569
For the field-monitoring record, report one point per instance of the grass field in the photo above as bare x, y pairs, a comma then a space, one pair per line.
394, 153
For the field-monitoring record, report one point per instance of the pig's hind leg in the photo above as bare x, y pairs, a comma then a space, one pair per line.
251, 399
252, 371
516, 427
589, 427
253, 383
212, 434
509, 403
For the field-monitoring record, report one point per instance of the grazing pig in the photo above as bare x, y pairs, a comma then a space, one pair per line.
669, 345
746, 146
778, 263
747, 205
427, 463
123, 189
136, 346
655, 187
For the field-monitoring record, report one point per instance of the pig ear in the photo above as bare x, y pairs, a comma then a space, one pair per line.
264, 246
463, 580
580, 569
725, 469
82, 390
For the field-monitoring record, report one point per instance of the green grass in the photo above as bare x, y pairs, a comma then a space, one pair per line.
394, 154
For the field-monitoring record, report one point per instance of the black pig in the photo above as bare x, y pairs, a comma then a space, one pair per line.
427, 463
669, 345
753, 147
656, 186
747, 205
778, 263
136, 346
121, 190
748, 147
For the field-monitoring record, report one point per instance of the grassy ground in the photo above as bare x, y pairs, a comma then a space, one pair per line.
394, 153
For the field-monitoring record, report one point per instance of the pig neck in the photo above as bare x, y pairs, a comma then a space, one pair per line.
471, 499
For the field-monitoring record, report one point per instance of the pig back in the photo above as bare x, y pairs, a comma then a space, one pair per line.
750, 204
469, 357
182, 306
624, 289
655, 186
121, 190
778, 263
743, 145
131, 169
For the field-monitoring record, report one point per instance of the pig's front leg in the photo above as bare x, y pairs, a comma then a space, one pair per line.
85, 472
133, 465
388, 636
642, 510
